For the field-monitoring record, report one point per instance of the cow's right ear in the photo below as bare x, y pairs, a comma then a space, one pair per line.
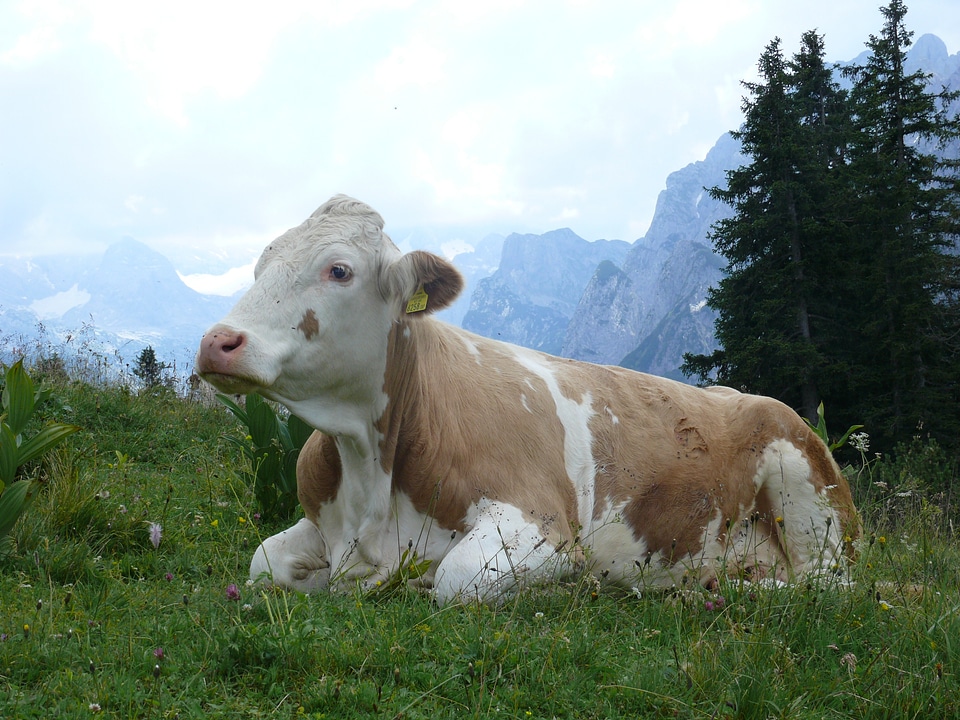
422, 282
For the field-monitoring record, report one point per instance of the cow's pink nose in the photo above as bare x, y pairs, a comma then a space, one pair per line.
218, 349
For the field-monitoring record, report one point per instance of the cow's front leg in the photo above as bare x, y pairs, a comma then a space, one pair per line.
295, 558
503, 552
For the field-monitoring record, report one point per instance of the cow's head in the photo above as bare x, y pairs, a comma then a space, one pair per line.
313, 329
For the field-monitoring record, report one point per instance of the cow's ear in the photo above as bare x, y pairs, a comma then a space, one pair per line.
422, 282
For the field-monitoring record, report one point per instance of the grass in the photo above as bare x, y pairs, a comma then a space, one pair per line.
96, 621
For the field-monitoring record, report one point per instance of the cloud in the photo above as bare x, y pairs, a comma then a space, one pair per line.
205, 128
228, 283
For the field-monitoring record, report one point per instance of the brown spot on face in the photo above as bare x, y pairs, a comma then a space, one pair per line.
309, 325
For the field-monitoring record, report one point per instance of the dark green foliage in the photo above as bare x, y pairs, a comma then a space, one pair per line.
842, 280
20, 402
152, 373
272, 447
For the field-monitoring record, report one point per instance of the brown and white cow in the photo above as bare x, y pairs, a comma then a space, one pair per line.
502, 465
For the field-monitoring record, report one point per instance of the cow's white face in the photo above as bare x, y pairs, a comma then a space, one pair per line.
312, 332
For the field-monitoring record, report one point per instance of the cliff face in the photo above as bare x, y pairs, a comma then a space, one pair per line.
650, 310
531, 297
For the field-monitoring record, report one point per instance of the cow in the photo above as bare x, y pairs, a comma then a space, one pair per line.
497, 466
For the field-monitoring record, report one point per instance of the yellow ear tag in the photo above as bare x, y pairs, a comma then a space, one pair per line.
418, 302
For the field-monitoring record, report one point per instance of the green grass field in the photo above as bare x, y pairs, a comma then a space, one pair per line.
96, 621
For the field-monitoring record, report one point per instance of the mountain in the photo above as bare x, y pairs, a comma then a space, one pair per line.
647, 312
531, 297
112, 306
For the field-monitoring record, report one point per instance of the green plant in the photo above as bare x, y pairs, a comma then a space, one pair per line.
821, 430
20, 400
272, 444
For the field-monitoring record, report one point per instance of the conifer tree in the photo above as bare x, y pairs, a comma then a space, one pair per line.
904, 220
149, 369
780, 242
843, 280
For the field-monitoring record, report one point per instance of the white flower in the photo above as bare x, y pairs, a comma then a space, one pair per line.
860, 442
156, 533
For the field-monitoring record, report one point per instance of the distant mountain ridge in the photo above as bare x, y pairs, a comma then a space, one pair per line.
533, 294
130, 297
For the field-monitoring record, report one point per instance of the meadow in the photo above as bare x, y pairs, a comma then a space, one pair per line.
124, 594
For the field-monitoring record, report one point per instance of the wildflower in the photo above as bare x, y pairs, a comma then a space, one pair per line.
168, 577
860, 442
241, 519
256, 516
849, 661
156, 533
94, 707
882, 539
538, 615
215, 523
885, 606
247, 607
26, 631
3, 637
233, 592
779, 520
158, 653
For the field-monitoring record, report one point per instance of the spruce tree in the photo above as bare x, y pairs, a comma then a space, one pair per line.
149, 369
900, 267
781, 242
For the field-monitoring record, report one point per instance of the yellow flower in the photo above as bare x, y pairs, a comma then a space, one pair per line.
882, 539
215, 523
241, 519
884, 605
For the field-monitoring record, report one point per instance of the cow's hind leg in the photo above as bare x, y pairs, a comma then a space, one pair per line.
503, 552
295, 558
803, 520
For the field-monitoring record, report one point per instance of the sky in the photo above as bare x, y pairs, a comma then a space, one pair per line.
206, 128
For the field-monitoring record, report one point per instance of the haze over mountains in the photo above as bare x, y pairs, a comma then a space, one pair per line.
639, 304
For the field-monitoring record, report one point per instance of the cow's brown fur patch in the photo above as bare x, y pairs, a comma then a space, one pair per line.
309, 325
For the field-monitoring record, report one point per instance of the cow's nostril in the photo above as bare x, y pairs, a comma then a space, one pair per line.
231, 344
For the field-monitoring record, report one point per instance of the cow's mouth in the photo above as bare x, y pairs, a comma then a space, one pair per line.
231, 384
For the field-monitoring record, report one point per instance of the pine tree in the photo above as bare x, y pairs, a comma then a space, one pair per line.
843, 279
899, 267
781, 242
149, 369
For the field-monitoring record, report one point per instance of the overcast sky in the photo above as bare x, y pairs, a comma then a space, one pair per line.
201, 127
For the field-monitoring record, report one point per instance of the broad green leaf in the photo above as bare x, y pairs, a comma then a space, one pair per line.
18, 397
263, 421
8, 456
842, 441
233, 407
300, 432
13, 502
48, 437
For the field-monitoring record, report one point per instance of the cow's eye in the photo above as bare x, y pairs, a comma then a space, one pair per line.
339, 272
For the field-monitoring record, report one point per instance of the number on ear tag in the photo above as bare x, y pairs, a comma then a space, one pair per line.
418, 302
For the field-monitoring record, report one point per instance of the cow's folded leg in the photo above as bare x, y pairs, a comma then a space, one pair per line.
504, 552
295, 558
